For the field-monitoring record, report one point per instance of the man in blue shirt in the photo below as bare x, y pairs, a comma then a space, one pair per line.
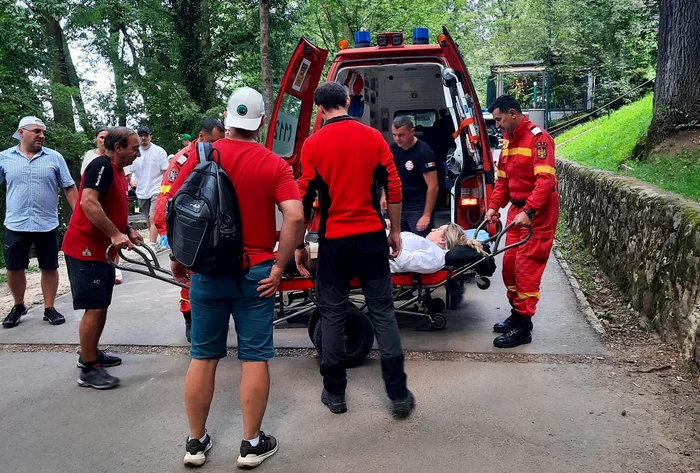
33, 174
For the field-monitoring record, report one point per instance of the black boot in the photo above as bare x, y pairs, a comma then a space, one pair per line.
510, 323
518, 335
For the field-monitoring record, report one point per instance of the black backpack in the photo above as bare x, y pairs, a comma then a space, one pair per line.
203, 219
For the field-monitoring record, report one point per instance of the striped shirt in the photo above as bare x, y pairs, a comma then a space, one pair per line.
32, 188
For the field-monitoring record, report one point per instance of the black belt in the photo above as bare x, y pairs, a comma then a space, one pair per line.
518, 203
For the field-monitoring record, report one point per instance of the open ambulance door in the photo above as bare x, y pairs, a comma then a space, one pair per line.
290, 121
474, 186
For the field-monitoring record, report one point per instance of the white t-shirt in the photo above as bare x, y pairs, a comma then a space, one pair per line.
418, 255
148, 170
87, 159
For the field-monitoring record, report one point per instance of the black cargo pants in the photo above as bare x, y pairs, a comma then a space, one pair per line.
339, 261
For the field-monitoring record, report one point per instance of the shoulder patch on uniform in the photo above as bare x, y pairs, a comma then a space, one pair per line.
429, 165
172, 175
181, 160
541, 144
536, 130
541, 147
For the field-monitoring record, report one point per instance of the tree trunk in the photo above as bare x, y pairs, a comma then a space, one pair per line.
76, 93
60, 84
266, 58
677, 89
116, 59
207, 71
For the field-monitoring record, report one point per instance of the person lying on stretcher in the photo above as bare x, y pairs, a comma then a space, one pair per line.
422, 255
427, 255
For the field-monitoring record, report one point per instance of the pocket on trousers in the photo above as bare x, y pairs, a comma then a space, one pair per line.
539, 248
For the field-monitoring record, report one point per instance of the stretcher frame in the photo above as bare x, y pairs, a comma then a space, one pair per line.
413, 293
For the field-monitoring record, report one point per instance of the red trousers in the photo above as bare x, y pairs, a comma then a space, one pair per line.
522, 270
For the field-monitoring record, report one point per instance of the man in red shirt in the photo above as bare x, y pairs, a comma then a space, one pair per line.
210, 131
261, 180
101, 219
526, 179
343, 162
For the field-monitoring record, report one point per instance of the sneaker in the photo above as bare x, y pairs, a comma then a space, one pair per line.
103, 359
401, 408
118, 276
195, 452
98, 378
12, 318
335, 402
53, 316
251, 457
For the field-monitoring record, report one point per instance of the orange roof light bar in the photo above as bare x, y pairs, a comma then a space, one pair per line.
343, 44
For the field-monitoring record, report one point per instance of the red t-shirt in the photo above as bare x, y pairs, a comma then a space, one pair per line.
83, 240
344, 161
261, 180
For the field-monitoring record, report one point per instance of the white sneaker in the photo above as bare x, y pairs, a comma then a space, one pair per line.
118, 276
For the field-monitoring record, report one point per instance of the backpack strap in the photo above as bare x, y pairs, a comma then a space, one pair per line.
204, 150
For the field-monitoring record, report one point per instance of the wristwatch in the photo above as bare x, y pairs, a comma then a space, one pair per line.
302, 246
529, 213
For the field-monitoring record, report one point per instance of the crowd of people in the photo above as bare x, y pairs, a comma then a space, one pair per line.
341, 163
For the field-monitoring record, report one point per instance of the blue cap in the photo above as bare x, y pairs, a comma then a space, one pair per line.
421, 36
362, 38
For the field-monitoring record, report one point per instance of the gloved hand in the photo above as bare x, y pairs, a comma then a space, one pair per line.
163, 241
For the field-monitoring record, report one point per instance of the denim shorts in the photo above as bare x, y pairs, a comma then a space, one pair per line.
214, 298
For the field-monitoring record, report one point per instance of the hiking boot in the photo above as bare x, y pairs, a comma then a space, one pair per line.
53, 317
401, 408
251, 457
103, 359
510, 323
98, 378
335, 402
518, 335
12, 318
195, 452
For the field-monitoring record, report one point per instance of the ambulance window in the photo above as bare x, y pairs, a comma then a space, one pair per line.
422, 118
286, 126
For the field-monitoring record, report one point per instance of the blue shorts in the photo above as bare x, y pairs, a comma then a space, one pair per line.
214, 298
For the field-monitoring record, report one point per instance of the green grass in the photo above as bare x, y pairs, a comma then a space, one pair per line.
606, 143
679, 173
610, 140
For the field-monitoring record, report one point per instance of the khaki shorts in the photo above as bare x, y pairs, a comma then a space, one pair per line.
148, 206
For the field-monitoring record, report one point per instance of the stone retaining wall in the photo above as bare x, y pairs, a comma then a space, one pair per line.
647, 240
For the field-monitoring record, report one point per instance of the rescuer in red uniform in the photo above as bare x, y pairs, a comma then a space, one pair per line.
526, 179
210, 131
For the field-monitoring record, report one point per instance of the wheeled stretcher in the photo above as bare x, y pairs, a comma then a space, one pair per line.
414, 294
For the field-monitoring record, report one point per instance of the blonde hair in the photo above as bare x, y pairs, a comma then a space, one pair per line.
454, 236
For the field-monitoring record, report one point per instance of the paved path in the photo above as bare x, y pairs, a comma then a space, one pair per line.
479, 417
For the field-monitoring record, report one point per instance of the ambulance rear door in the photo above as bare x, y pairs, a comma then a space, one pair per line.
477, 179
290, 121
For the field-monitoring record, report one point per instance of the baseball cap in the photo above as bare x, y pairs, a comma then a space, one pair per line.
184, 136
246, 109
28, 121
143, 129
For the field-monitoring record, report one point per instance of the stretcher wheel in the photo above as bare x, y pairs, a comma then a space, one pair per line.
315, 319
484, 284
439, 322
359, 337
437, 306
